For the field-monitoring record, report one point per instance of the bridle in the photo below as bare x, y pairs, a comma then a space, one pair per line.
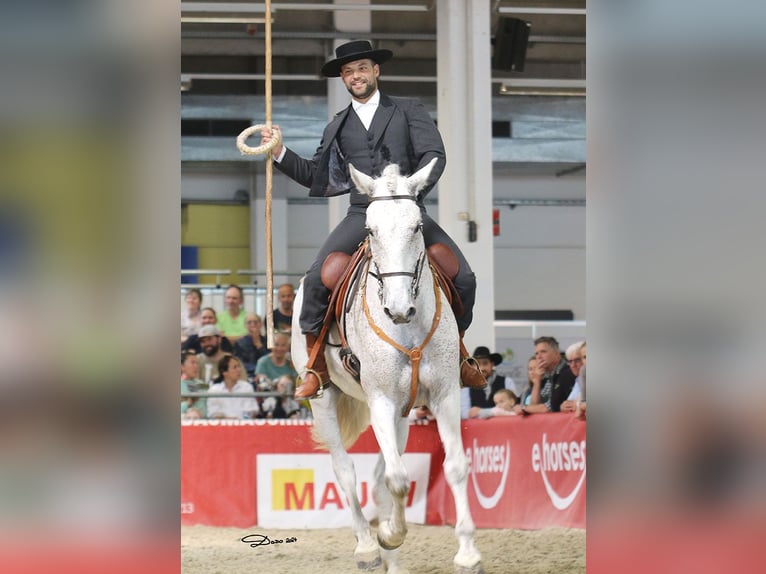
415, 285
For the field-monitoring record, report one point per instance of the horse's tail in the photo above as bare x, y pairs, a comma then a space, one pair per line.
353, 419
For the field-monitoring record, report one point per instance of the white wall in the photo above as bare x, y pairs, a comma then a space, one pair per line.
539, 255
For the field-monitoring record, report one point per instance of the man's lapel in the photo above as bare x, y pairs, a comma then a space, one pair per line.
382, 116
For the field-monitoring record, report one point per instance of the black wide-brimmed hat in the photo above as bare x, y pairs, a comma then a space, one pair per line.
483, 353
350, 51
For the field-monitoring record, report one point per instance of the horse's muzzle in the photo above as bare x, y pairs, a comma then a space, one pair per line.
400, 319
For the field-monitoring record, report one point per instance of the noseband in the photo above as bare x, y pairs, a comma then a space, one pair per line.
418, 266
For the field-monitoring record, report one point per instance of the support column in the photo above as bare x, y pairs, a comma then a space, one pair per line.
464, 104
358, 24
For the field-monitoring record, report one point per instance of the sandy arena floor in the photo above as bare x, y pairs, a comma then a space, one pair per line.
427, 550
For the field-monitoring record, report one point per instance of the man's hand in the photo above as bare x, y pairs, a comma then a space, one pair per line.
568, 406
266, 137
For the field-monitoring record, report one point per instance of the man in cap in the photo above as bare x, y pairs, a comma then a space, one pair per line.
210, 343
473, 400
372, 132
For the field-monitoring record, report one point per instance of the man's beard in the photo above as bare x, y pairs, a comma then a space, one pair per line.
368, 91
210, 351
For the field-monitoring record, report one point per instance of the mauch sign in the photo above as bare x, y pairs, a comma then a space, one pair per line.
301, 491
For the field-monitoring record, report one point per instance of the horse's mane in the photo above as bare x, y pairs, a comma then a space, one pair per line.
391, 174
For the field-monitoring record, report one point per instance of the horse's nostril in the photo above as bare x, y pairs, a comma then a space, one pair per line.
410, 312
388, 313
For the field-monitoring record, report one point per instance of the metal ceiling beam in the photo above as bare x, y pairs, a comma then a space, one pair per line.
250, 8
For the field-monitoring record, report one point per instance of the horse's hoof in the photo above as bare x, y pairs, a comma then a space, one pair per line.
368, 564
386, 539
386, 545
475, 569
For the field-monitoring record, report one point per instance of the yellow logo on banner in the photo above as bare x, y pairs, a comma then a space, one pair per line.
292, 489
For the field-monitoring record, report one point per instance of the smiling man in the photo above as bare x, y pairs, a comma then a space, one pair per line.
372, 132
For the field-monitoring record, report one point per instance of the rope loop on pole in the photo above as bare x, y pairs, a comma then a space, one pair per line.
261, 149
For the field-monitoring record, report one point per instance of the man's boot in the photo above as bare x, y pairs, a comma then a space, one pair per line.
316, 369
470, 375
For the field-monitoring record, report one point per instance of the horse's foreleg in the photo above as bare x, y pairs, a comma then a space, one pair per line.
366, 553
385, 504
392, 531
468, 559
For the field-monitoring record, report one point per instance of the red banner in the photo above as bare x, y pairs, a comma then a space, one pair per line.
525, 472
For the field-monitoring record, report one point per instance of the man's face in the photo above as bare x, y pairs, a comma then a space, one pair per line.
232, 299
547, 356
360, 78
485, 366
286, 297
575, 364
208, 317
209, 345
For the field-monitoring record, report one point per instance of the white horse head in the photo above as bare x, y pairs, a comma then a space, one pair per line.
394, 214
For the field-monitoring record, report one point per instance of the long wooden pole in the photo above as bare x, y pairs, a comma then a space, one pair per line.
269, 172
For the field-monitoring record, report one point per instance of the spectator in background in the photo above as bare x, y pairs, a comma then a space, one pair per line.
192, 407
210, 342
252, 346
505, 400
231, 380
231, 322
283, 314
421, 413
482, 398
208, 317
526, 394
284, 406
552, 380
276, 364
574, 357
191, 318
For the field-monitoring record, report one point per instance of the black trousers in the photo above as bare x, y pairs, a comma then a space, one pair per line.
346, 237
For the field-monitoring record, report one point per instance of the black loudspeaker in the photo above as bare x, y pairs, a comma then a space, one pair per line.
510, 44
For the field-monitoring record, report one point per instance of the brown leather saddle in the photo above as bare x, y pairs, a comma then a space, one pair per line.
339, 274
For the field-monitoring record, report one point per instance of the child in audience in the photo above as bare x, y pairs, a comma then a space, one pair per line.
504, 400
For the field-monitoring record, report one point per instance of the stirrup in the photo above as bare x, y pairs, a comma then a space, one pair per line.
320, 391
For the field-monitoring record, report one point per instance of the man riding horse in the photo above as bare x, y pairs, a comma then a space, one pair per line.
372, 132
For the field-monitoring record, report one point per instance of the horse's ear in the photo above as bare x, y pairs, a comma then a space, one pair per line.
418, 180
364, 183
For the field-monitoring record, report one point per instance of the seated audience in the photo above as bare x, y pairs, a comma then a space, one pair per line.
283, 314
210, 342
552, 380
276, 364
482, 398
505, 400
192, 407
252, 346
284, 406
526, 394
574, 357
207, 317
232, 380
191, 318
231, 322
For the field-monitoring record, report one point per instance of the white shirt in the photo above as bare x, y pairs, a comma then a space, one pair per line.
231, 407
365, 111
